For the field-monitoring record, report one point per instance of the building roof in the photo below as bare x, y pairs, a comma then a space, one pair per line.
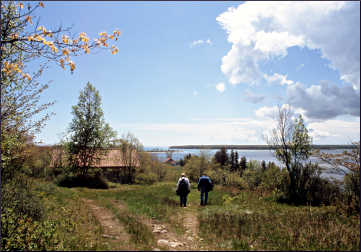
114, 158
169, 161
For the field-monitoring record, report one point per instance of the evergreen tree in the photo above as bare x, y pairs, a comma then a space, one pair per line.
263, 164
236, 161
243, 164
221, 156
232, 161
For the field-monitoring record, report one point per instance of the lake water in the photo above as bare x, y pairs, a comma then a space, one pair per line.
259, 155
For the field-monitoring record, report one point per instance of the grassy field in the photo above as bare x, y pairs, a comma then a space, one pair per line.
233, 220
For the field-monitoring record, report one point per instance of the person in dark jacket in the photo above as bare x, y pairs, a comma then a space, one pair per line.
204, 186
183, 189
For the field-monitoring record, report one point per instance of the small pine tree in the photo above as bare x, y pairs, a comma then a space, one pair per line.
232, 161
243, 164
236, 163
263, 164
221, 156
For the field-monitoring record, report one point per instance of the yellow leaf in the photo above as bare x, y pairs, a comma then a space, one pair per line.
41, 4
61, 63
40, 28
103, 34
115, 51
86, 48
21, 5
72, 66
65, 52
28, 77
28, 19
116, 32
65, 39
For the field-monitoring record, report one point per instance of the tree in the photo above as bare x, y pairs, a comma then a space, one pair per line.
130, 154
292, 146
232, 157
236, 163
18, 32
22, 42
221, 156
263, 165
243, 164
89, 134
348, 165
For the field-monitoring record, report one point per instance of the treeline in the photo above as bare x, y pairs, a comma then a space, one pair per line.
257, 147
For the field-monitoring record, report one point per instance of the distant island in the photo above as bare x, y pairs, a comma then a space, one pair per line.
256, 147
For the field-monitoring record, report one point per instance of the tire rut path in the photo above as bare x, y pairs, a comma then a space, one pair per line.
112, 228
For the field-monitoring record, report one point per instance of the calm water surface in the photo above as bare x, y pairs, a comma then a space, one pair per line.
259, 155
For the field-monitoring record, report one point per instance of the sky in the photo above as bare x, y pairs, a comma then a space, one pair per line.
212, 72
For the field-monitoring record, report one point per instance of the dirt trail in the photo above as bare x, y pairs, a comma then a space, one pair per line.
167, 239
165, 236
113, 229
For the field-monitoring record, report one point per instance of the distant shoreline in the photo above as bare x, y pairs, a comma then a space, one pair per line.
256, 147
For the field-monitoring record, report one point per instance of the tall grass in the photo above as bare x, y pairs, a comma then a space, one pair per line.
246, 222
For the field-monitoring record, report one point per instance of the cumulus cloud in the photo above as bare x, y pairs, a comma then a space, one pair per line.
200, 42
324, 101
261, 31
220, 87
252, 97
201, 131
335, 131
282, 79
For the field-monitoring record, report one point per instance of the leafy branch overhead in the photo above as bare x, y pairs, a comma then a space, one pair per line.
18, 31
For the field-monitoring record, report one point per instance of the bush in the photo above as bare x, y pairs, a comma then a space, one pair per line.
146, 178
22, 225
18, 195
21, 232
310, 187
91, 181
352, 191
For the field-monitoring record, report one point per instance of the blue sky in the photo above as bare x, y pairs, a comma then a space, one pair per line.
212, 72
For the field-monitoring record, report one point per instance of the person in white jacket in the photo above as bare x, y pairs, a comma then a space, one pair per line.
183, 189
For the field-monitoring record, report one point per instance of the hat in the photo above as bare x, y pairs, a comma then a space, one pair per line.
183, 174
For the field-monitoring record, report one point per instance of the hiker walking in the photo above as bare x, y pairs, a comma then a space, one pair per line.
183, 188
205, 185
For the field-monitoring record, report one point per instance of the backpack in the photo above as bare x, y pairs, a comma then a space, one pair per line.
182, 187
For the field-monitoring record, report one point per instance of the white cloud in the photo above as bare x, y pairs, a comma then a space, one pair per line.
335, 131
220, 87
271, 112
331, 131
263, 30
200, 42
201, 131
325, 101
252, 97
282, 79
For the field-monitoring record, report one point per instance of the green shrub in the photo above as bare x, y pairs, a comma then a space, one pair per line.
310, 187
352, 191
22, 213
19, 196
91, 181
21, 232
146, 178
